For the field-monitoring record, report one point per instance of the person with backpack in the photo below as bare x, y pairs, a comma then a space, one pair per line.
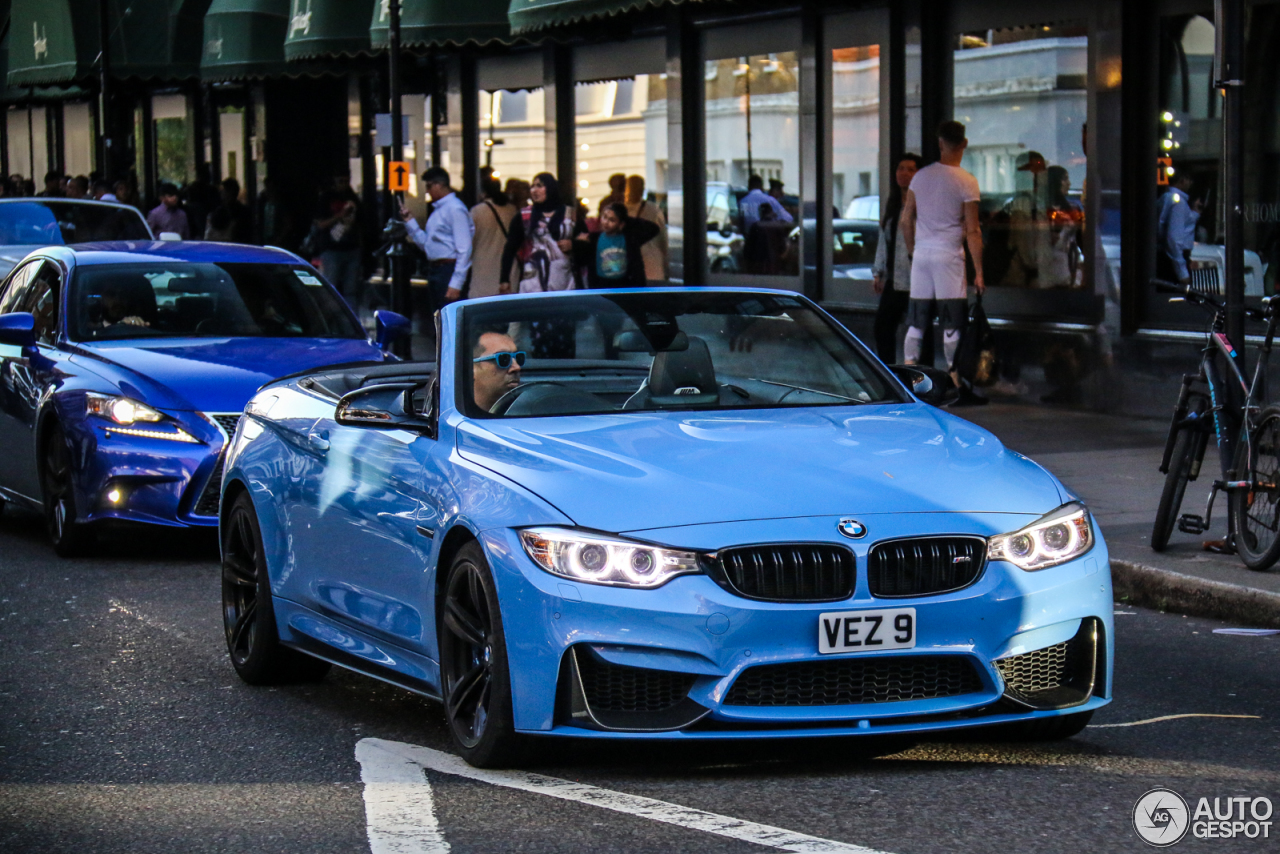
540, 247
492, 219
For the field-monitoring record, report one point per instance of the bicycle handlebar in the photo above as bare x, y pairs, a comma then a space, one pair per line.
1202, 299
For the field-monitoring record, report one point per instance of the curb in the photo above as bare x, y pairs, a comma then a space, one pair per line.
1165, 590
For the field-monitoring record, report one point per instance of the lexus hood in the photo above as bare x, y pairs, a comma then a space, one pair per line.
636, 471
212, 374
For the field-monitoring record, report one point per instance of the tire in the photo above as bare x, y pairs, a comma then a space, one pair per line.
248, 615
70, 536
1255, 514
475, 678
1186, 447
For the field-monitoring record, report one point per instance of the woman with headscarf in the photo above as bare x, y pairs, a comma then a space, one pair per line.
654, 252
540, 247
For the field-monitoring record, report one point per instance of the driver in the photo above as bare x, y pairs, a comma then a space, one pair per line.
119, 305
495, 367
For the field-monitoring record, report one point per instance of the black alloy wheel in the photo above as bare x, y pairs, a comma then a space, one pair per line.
475, 679
248, 616
71, 538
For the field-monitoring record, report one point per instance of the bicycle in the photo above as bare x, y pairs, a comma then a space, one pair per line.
1248, 438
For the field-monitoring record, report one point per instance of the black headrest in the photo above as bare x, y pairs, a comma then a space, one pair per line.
138, 293
684, 376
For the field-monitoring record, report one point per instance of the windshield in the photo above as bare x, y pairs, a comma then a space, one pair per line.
855, 245
55, 223
205, 300
660, 350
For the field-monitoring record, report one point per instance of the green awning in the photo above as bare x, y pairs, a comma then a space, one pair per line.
48, 44
437, 22
328, 28
526, 16
244, 38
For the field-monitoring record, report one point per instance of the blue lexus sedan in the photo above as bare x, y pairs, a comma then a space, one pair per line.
124, 367
659, 514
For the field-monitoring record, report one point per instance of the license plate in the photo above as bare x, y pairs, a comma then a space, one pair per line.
862, 631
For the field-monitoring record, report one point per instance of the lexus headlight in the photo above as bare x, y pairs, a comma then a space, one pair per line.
1062, 535
121, 410
597, 560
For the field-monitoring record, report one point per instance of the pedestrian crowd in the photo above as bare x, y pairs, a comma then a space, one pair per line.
531, 237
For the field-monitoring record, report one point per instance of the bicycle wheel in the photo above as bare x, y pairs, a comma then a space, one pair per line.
1255, 513
1187, 448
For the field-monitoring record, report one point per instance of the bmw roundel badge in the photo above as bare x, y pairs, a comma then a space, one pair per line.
852, 528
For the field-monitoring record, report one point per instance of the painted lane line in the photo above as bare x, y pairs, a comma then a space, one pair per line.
399, 810
1172, 718
655, 810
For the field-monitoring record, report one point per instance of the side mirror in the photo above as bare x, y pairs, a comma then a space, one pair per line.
384, 405
929, 384
390, 328
18, 329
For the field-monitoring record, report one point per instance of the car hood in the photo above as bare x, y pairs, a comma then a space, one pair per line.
634, 471
212, 374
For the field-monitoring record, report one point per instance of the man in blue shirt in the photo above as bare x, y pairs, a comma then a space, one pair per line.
1177, 231
447, 239
757, 198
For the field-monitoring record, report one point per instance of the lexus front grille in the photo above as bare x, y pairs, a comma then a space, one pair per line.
787, 572
848, 681
207, 503
922, 566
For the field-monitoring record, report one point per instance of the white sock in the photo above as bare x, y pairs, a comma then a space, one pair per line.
950, 343
911, 345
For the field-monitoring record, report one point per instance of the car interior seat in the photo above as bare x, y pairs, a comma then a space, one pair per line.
679, 378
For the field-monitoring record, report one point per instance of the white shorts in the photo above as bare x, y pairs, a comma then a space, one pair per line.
938, 274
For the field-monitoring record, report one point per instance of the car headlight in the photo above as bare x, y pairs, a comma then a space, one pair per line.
121, 410
597, 560
1062, 535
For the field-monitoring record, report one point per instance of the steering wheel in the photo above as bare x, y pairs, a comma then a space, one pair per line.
502, 404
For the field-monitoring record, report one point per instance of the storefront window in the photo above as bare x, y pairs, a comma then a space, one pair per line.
753, 160
621, 135
1022, 93
512, 136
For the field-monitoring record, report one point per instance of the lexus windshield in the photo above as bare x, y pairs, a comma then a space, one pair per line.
594, 353
222, 300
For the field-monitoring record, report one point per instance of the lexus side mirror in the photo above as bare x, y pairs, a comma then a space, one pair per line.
18, 329
929, 384
391, 327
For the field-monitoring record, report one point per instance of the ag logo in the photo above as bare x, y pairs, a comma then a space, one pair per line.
1161, 817
852, 528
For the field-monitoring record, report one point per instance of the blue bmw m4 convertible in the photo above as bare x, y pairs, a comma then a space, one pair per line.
124, 367
659, 514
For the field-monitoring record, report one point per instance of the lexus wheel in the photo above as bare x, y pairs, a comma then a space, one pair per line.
70, 536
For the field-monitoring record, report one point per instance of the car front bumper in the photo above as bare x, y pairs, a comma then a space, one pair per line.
705, 637
137, 478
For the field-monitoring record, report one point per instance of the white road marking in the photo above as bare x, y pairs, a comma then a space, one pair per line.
1171, 718
667, 813
399, 811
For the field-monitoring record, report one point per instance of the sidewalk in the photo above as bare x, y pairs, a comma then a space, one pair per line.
1112, 462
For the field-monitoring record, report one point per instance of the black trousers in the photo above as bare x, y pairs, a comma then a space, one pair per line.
889, 315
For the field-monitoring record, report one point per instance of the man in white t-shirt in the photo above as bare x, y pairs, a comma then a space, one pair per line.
939, 216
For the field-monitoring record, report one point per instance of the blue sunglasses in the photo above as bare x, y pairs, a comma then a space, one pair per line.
503, 360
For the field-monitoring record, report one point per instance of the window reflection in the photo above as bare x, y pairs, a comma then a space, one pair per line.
752, 165
512, 135
621, 134
1022, 92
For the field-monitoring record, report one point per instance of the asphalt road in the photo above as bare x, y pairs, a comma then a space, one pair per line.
124, 729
